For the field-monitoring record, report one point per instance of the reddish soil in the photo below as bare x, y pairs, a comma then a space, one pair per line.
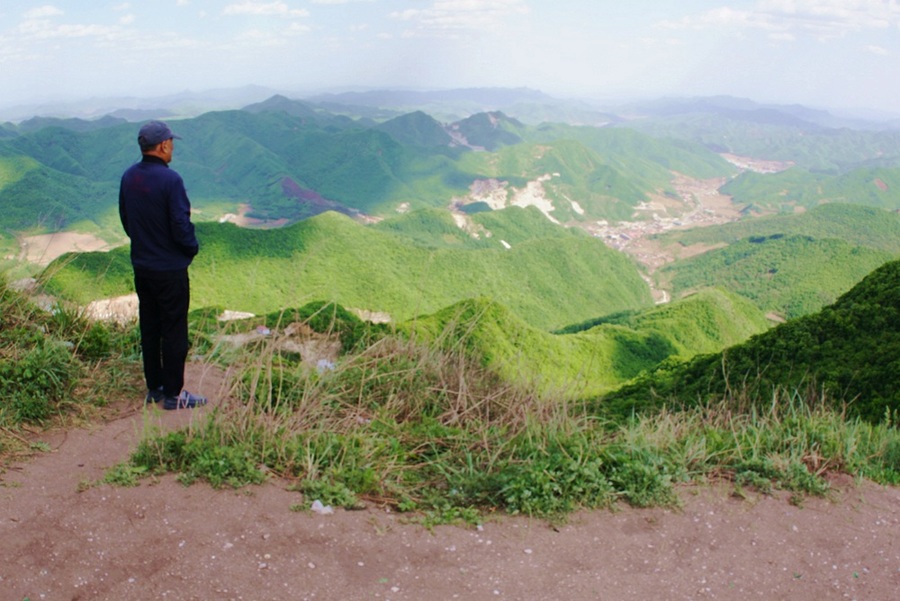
64, 539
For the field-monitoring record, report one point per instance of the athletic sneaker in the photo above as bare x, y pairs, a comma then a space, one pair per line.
185, 400
155, 396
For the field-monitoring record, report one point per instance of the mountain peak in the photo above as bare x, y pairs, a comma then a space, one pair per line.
279, 103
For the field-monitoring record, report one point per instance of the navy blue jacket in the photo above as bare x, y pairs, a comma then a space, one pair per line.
156, 215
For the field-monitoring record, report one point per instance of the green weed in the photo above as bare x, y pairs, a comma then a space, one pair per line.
124, 474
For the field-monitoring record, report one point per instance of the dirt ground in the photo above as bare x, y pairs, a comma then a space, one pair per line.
65, 539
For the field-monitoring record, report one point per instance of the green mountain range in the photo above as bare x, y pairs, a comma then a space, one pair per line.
468, 224
525, 366
869, 186
289, 160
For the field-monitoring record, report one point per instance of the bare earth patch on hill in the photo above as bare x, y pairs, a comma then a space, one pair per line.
66, 538
44, 248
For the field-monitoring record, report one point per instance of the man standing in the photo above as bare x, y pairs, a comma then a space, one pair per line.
156, 215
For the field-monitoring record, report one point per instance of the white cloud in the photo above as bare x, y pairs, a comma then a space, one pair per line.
460, 15
264, 9
258, 37
857, 14
298, 28
42, 30
783, 36
42, 12
823, 19
39, 24
879, 50
723, 17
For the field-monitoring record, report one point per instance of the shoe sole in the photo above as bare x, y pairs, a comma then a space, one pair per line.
182, 405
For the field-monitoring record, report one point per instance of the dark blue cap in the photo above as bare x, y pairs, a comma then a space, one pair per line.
153, 133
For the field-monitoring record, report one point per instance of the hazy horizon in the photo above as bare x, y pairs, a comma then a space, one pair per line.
835, 54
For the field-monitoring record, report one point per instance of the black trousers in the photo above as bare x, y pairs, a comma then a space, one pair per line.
163, 300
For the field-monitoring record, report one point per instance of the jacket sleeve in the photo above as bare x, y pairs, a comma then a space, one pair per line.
180, 219
123, 215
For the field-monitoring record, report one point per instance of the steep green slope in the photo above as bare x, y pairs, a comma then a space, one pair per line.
13, 167
84, 277
601, 358
416, 129
356, 168
331, 257
515, 225
431, 228
38, 198
704, 322
857, 225
548, 282
575, 173
437, 228
847, 353
97, 155
246, 157
865, 186
788, 275
490, 131
45, 186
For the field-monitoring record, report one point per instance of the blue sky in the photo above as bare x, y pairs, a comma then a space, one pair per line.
829, 53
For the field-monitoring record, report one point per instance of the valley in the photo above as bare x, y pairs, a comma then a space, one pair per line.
696, 203
699, 204
294, 201
581, 318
